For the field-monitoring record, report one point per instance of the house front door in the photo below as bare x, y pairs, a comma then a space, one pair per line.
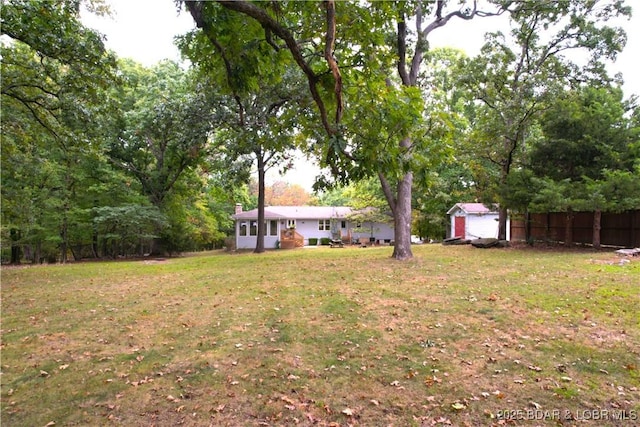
458, 229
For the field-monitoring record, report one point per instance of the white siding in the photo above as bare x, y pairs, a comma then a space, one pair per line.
382, 232
249, 242
478, 225
309, 228
481, 226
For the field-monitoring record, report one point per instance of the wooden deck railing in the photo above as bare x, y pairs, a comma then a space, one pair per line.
290, 239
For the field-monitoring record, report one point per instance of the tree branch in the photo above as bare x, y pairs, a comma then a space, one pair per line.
267, 22
329, 48
27, 103
402, 51
388, 193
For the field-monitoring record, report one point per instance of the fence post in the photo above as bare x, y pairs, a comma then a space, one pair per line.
597, 220
568, 228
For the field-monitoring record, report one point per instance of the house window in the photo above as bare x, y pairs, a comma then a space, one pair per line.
324, 224
243, 228
343, 224
253, 228
273, 228
291, 223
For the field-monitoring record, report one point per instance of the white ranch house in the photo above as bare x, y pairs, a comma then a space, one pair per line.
474, 221
308, 222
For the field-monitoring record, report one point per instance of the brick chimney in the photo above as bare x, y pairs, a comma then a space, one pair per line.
238, 208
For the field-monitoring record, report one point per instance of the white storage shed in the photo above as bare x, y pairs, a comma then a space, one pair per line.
474, 221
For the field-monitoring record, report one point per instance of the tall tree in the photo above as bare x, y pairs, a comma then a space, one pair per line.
586, 132
442, 184
347, 50
516, 77
163, 135
588, 147
262, 101
55, 74
165, 126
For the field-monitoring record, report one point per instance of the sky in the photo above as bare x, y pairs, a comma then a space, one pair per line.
144, 30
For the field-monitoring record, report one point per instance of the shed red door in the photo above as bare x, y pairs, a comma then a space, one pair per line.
458, 228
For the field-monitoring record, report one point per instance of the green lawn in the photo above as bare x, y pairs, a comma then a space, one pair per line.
458, 336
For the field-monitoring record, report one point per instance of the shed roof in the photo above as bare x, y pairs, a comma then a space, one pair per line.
298, 212
472, 208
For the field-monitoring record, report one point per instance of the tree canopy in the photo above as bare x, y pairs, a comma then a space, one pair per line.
106, 157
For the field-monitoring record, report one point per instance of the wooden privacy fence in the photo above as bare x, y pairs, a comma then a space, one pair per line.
617, 229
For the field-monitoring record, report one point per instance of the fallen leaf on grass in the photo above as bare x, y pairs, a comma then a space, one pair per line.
431, 380
287, 400
348, 412
374, 402
534, 368
458, 406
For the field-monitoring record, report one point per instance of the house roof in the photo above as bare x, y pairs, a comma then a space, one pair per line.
298, 212
471, 208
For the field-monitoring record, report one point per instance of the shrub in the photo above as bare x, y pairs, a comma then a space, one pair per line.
313, 241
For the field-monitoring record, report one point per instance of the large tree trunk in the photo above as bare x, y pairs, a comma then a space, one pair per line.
503, 215
502, 223
402, 220
597, 221
261, 229
504, 174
